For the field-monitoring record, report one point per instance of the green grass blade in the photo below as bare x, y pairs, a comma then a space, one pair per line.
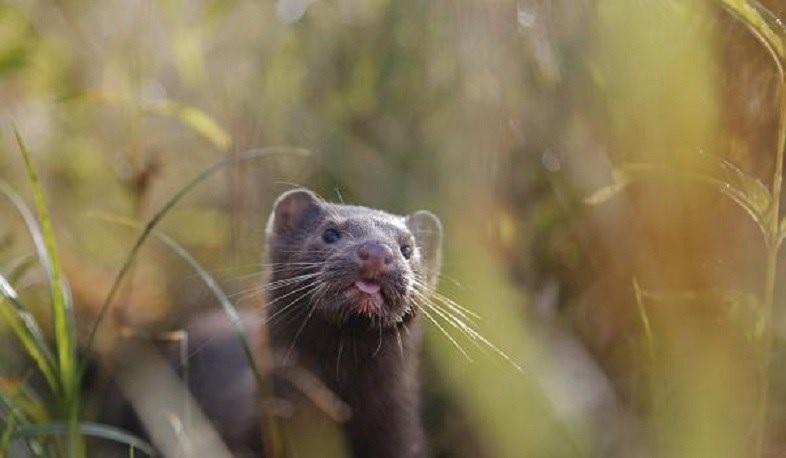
97, 430
62, 310
153, 222
5, 439
30, 221
26, 329
8, 405
38, 349
16, 411
32, 405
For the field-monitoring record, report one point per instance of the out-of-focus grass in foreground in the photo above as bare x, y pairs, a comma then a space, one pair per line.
608, 173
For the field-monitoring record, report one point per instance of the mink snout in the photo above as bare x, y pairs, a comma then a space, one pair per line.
375, 258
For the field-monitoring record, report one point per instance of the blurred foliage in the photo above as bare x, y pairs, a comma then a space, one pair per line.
647, 323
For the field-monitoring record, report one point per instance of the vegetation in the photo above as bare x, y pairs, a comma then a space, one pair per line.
609, 174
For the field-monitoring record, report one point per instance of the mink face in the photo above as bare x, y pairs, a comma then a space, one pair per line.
351, 266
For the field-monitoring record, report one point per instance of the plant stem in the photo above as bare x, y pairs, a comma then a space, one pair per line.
773, 246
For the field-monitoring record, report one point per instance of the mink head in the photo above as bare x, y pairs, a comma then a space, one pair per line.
349, 265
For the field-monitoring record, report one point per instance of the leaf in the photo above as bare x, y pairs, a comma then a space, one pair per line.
763, 24
98, 430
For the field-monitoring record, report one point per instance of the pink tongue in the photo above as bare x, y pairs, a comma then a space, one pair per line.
367, 286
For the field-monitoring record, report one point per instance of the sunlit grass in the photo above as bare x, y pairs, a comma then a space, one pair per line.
64, 377
670, 280
762, 204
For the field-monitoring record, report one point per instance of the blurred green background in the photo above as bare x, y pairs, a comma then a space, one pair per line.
642, 317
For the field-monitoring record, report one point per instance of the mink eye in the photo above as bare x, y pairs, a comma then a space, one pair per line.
406, 250
331, 235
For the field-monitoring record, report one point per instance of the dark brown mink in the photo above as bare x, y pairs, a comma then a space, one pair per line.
344, 290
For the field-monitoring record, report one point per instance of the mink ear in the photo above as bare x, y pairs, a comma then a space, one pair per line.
427, 229
289, 209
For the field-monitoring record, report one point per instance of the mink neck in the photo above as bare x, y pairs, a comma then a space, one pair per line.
375, 372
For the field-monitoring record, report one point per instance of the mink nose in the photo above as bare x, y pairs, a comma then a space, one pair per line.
375, 257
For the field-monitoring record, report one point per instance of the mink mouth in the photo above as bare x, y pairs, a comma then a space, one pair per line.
371, 298
371, 301
366, 298
370, 287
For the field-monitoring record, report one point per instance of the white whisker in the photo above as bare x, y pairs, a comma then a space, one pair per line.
452, 340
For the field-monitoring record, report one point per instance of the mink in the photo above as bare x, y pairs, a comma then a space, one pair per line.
344, 289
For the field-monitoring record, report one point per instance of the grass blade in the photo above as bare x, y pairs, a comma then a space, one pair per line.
153, 222
24, 326
97, 430
5, 439
8, 405
32, 338
62, 310
16, 410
